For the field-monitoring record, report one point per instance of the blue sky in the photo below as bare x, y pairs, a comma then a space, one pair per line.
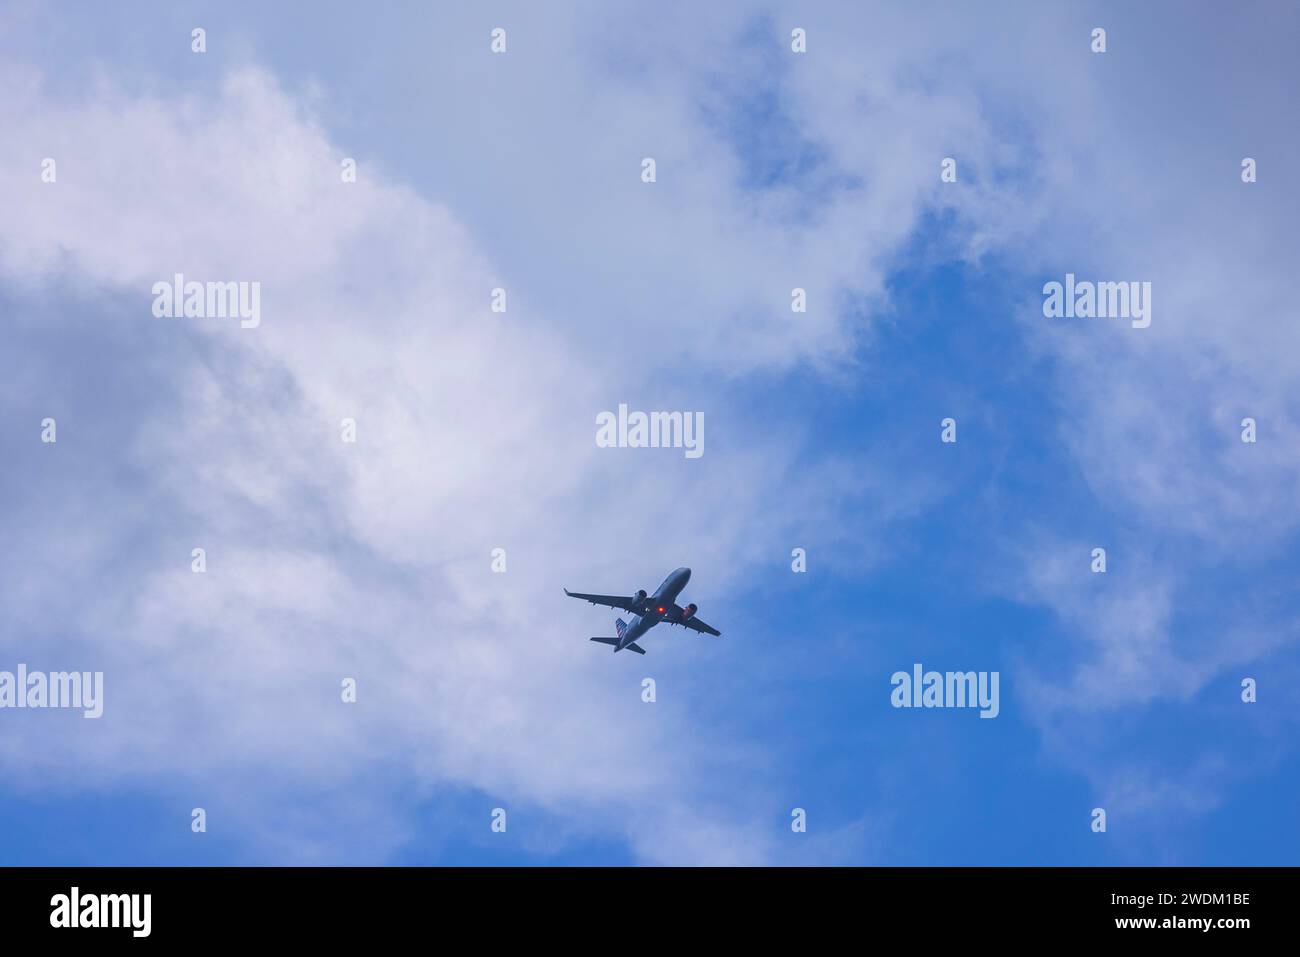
478, 690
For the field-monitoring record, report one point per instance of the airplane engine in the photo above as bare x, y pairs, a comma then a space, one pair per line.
688, 611
639, 596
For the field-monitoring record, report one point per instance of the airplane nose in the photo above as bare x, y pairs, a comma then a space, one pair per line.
686, 575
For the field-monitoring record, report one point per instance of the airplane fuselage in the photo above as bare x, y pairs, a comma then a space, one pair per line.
656, 606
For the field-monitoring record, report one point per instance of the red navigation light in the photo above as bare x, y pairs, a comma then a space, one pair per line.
661, 609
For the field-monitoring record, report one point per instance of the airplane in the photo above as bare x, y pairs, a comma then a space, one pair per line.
648, 611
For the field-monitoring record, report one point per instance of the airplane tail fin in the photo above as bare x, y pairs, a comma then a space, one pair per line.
620, 626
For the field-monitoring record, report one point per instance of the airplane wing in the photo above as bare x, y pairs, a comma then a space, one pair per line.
613, 601
692, 623
695, 624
